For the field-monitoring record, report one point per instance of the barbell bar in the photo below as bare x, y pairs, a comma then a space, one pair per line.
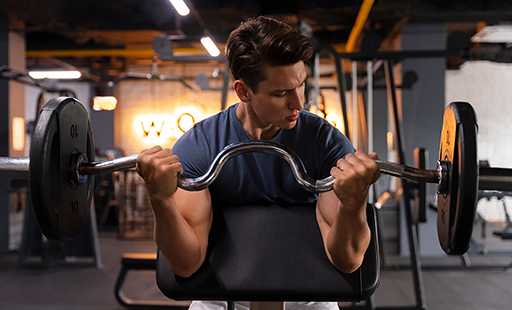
235, 149
62, 159
489, 178
80, 168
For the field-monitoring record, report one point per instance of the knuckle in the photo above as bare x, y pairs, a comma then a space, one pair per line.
150, 160
142, 160
351, 173
177, 166
338, 183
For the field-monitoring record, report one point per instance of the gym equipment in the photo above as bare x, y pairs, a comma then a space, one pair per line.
150, 76
62, 158
140, 262
61, 201
248, 262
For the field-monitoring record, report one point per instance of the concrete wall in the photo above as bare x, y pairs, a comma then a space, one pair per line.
422, 108
486, 85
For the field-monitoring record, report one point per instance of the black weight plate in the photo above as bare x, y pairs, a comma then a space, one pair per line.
62, 130
457, 206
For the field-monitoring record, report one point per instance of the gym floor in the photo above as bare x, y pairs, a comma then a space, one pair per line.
85, 288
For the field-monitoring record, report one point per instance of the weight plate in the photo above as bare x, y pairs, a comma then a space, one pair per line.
62, 130
457, 205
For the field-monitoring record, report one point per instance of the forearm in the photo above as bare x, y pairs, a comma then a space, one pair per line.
182, 219
348, 238
175, 238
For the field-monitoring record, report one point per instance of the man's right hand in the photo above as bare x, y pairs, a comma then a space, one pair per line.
159, 168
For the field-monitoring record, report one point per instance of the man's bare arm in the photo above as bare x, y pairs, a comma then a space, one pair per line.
182, 219
341, 213
345, 233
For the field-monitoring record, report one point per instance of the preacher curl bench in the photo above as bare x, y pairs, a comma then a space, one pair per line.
265, 253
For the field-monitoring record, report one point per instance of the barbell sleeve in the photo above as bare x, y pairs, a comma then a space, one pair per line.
109, 166
14, 167
409, 173
498, 179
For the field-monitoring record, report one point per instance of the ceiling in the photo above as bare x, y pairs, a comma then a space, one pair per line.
108, 35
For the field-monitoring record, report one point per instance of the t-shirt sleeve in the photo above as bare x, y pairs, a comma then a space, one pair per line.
337, 146
193, 152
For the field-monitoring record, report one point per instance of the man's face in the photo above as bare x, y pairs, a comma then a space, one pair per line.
280, 96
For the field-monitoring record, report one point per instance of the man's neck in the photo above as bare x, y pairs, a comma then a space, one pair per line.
253, 125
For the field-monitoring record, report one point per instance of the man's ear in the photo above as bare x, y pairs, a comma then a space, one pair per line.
242, 90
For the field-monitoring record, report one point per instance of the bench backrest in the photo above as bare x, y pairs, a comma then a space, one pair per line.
271, 253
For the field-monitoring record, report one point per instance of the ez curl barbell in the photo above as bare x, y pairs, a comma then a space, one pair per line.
62, 159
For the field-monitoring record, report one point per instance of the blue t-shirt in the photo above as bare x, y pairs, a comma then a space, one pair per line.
258, 178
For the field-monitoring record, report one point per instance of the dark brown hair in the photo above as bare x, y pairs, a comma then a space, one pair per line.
261, 42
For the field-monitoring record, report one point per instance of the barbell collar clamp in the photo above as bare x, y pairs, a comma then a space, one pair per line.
443, 168
77, 160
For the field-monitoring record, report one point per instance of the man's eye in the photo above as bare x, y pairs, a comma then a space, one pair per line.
280, 95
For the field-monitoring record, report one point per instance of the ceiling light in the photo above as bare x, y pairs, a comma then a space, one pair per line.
210, 46
180, 7
55, 74
104, 103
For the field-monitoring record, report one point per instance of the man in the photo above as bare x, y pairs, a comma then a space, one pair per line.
266, 60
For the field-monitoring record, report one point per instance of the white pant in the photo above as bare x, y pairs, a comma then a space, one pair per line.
222, 305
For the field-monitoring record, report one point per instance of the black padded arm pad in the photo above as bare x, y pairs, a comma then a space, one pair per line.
271, 253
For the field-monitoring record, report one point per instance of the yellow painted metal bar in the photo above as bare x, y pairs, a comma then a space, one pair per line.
109, 52
361, 19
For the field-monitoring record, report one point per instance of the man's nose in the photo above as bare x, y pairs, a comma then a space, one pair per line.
295, 100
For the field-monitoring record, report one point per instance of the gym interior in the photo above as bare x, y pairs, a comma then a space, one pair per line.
384, 73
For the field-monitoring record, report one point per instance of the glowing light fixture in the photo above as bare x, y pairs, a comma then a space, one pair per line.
105, 103
184, 118
185, 122
180, 7
18, 134
210, 46
153, 128
389, 140
55, 75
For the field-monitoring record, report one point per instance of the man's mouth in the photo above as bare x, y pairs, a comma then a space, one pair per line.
292, 118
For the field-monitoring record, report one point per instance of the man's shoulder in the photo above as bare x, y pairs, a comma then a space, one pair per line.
312, 122
218, 118
208, 131
312, 126
311, 118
